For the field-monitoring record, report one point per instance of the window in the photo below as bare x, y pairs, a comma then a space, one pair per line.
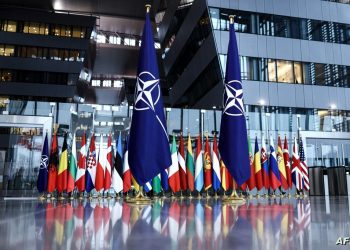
285, 71
7, 50
6, 75
298, 73
54, 54
34, 28
107, 83
96, 83
101, 38
9, 26
272, 70
118, 83
32, 52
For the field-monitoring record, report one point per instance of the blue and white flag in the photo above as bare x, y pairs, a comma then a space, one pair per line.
147, 186
233, 144
149, 152
43, 172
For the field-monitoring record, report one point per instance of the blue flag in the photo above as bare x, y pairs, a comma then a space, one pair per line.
164, 176
233, 144
149, 152
43, 172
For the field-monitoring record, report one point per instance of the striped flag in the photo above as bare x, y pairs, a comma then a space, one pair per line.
99, 182
72, 167
117, 181
257, 166
126, 170
281, 165
251, 181
156, 184
108, 165
216, 166
264, 164
225, 176
182, 164
275, 177
80, 178
53, 164
207, 166
190, 165
62, 168
90, 173
287, 163
147, 187
174, 177
199, 180
297, 175
304, 168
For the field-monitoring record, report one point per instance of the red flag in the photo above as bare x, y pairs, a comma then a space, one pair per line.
207, 166
99, 170
80, 179
182, 164
108, 168
287, 162
53, 164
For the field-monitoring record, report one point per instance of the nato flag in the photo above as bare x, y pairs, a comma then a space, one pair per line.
149, 152
233, 144
43, 172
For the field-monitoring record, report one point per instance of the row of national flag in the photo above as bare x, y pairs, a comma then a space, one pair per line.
276, 169
92, 169
201, 171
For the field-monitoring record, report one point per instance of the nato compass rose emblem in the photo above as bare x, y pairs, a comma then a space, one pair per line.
233, 98
148, 91
43, 162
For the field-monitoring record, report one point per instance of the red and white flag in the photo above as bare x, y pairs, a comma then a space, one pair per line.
100, 169
80, 179
108, 165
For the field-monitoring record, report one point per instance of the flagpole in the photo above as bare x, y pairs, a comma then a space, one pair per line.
140, 198
233, 198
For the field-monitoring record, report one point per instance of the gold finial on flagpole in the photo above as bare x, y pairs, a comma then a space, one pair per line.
232, 19
148, 7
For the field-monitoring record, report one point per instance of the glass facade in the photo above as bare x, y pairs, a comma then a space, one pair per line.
9, 75
272, 70
272, 121
41, 53
281, 26
37, 28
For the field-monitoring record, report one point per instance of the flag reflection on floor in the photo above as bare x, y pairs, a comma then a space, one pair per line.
177, 224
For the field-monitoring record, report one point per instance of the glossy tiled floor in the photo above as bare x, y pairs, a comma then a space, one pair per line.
311, 223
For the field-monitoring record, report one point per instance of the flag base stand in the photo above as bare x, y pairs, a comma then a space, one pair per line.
61, 197
139, 199
233, 199
81, 196
199, 196
42, 197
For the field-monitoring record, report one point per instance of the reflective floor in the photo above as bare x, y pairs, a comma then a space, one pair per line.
280, 223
